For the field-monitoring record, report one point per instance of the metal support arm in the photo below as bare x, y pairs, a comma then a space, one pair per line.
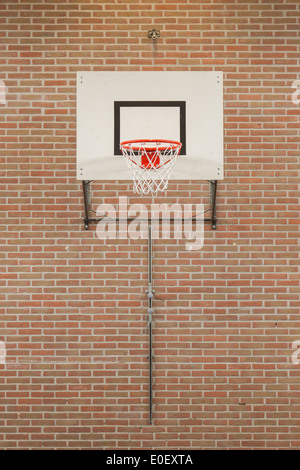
213, 194
86, 197
150, 292
87, 203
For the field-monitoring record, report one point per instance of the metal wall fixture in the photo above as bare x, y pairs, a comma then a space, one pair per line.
86, 186
150, 292
153, 34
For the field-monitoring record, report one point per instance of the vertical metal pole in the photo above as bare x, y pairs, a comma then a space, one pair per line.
214, 200
85, 186
150, 293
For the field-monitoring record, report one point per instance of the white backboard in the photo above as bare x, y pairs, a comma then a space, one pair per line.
117, 106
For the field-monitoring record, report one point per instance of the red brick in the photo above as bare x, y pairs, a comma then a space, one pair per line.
73, 309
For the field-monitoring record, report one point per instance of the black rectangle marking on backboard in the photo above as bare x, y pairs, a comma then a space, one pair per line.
171, 104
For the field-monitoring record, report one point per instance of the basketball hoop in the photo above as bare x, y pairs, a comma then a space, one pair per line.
150, 162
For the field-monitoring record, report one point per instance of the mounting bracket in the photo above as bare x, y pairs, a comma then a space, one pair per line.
153, 34
86, 185
213, 202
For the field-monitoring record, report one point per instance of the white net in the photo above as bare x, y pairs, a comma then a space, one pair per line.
150, 163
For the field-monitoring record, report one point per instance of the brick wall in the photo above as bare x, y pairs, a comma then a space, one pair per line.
73, 309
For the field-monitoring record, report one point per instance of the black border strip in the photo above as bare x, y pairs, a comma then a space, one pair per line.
126, 104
